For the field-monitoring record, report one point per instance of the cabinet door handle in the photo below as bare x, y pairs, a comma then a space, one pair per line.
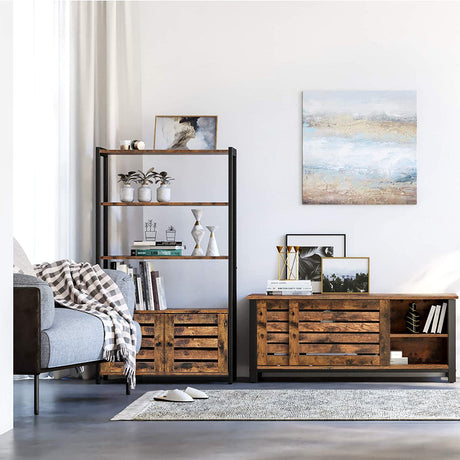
158, 344
170, 344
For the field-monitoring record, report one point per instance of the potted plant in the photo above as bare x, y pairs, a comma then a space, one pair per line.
127, 192
145, 192
163, 191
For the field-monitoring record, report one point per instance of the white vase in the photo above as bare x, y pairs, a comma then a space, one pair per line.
212, 250
126, 193
197, 232
144, 193
164, 193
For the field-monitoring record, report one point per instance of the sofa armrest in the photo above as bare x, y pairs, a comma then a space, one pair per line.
27, 330
46, 307
126, 286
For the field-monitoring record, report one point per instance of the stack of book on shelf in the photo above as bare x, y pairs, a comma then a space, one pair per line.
157, 248
436, 319
289, 287
397, 358
148, 284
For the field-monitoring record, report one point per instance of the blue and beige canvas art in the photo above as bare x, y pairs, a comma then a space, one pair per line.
359, 147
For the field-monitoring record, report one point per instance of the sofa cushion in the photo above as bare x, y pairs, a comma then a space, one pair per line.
21, 261
126, 286
47, 308
76, 337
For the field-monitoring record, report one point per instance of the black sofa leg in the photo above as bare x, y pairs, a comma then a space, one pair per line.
98, 374
36, 394
128, 389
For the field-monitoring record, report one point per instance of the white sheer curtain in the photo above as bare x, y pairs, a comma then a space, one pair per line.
76, 87
100, 100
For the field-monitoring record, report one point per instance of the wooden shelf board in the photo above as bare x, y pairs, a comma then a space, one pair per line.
170, 203
162, 152
165, 257
354, 296
361, 368
417, 336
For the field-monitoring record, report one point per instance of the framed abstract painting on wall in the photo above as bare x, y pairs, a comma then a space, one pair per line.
359, 147
184, 132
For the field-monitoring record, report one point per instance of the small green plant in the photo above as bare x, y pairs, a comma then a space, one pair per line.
162, 178
127, 178
145, 178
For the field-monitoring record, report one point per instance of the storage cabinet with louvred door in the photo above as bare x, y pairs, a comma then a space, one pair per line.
349, 335
180, 342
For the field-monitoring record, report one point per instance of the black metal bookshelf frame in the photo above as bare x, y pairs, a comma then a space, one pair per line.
102, 228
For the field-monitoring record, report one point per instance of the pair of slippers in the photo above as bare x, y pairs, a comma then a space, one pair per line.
188, 395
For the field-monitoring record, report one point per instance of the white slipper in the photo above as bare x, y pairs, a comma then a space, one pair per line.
196, 394
173, 396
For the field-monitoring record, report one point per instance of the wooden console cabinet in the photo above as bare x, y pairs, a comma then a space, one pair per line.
181, 342
348, 335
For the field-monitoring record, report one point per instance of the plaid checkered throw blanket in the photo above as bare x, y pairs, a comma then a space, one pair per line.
86, 287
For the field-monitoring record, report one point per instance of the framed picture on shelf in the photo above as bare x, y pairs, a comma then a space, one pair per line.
184, 132
349, 275
312, 248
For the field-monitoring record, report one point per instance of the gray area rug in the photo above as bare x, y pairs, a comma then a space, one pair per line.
302, 405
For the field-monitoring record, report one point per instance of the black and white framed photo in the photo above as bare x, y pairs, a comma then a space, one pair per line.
347, 275
312, 248
185, 132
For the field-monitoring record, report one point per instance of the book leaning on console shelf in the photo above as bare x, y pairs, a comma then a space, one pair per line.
436, 318
289, 287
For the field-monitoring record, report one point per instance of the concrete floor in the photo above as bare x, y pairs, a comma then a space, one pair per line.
74, 424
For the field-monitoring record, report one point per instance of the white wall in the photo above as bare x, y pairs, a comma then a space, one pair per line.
6, 215
248, 63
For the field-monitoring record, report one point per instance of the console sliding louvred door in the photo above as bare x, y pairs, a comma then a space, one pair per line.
318, 333
332, 333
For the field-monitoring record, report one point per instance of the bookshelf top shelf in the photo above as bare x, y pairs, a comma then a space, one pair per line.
169, 203
105, 152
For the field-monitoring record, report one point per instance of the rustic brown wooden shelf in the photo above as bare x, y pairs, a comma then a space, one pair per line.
170, 203
165, 257
418, 336
162, 152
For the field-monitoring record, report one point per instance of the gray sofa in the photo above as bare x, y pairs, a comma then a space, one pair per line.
48, 337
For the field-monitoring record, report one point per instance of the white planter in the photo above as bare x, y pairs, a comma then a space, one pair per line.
126, 193
163, 193
144, 193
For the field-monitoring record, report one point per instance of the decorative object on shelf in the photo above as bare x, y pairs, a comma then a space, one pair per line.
127, 192
288, 262
170, 233
150, 230
413, 319
125, 145
138, 145
145, 192
185, 132
348, 132
163, 191
345, 274
312, 247
212, 250
197, 232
